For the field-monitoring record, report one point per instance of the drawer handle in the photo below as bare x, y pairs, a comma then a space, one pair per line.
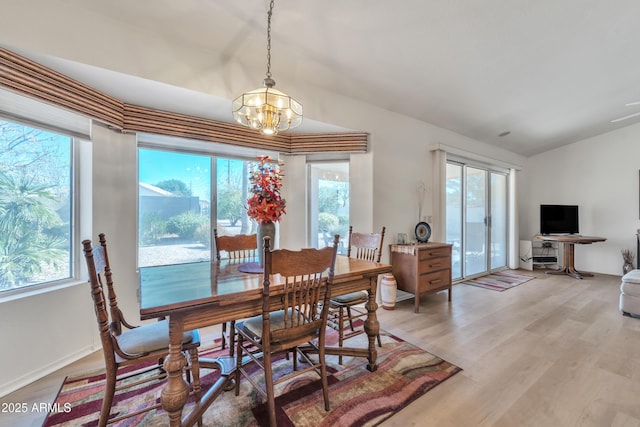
435, 281
435, 265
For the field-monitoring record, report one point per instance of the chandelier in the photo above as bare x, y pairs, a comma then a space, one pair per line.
267, 109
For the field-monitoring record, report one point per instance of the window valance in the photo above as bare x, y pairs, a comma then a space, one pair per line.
26, 77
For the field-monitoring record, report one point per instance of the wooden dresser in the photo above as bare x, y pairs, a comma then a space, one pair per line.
422, 268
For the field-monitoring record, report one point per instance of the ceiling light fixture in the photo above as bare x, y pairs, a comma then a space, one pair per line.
267, 109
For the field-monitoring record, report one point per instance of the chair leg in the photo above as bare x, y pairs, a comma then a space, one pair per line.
194, 363
107, 400
187, 372
238, 363
323, 374
268, 382
379, 341
340, 331
232, 337
224, 335
350, 319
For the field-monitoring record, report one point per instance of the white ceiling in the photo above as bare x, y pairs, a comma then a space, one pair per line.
550, 72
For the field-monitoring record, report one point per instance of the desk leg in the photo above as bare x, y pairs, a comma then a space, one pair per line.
568, 267
371, 325
176, 392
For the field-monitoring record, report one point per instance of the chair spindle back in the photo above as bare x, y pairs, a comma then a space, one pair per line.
238, 248
305, 289
365, 246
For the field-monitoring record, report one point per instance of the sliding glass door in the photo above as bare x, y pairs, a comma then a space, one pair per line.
499, 220
476, 218
475, 229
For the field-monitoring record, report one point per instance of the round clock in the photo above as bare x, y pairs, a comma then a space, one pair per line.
423, 232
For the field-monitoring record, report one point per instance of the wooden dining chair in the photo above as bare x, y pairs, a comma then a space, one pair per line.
236, 248
301, 295
361, 246
134, 344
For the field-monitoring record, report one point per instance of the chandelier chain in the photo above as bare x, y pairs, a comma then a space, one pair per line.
269, 39
266, 109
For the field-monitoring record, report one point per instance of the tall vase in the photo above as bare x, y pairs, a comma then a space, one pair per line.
265, 229
388, 289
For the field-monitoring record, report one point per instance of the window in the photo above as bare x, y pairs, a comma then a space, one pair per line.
232, 192
36, 206
175, 208
329, 203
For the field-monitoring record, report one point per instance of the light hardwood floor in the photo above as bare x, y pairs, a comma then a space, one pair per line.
554, 351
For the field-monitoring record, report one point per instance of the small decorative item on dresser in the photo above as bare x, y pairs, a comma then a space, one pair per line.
627, 257
423, 232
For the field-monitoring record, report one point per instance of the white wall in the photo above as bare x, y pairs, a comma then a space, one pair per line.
599, 174
42, 333
115, 211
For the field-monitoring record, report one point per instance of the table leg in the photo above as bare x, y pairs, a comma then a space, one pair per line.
568, 259
372, 326
176, 392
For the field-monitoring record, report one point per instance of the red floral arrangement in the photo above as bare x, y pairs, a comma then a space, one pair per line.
266, 204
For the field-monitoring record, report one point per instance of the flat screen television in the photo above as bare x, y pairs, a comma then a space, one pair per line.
559, 219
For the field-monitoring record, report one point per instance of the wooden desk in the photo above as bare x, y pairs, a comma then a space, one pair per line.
200, 294
569, 242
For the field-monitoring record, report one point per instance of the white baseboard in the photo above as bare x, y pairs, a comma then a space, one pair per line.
28, 378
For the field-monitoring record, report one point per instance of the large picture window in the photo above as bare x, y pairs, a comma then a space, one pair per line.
180, 196
36, 206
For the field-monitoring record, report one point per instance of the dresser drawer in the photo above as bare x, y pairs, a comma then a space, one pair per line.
432, 264
434, 253
435, 280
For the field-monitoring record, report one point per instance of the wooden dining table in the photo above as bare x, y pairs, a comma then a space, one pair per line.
200, 294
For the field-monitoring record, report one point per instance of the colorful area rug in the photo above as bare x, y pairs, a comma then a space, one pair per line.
357, 397
500, 281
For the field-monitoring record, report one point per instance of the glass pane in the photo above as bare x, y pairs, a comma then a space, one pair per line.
498, 220
454, 216
232, 184
174, 207
476, 229
329, 201
35, 206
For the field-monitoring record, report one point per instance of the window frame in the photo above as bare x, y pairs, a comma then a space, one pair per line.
312, 192
214, 151
80, 178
